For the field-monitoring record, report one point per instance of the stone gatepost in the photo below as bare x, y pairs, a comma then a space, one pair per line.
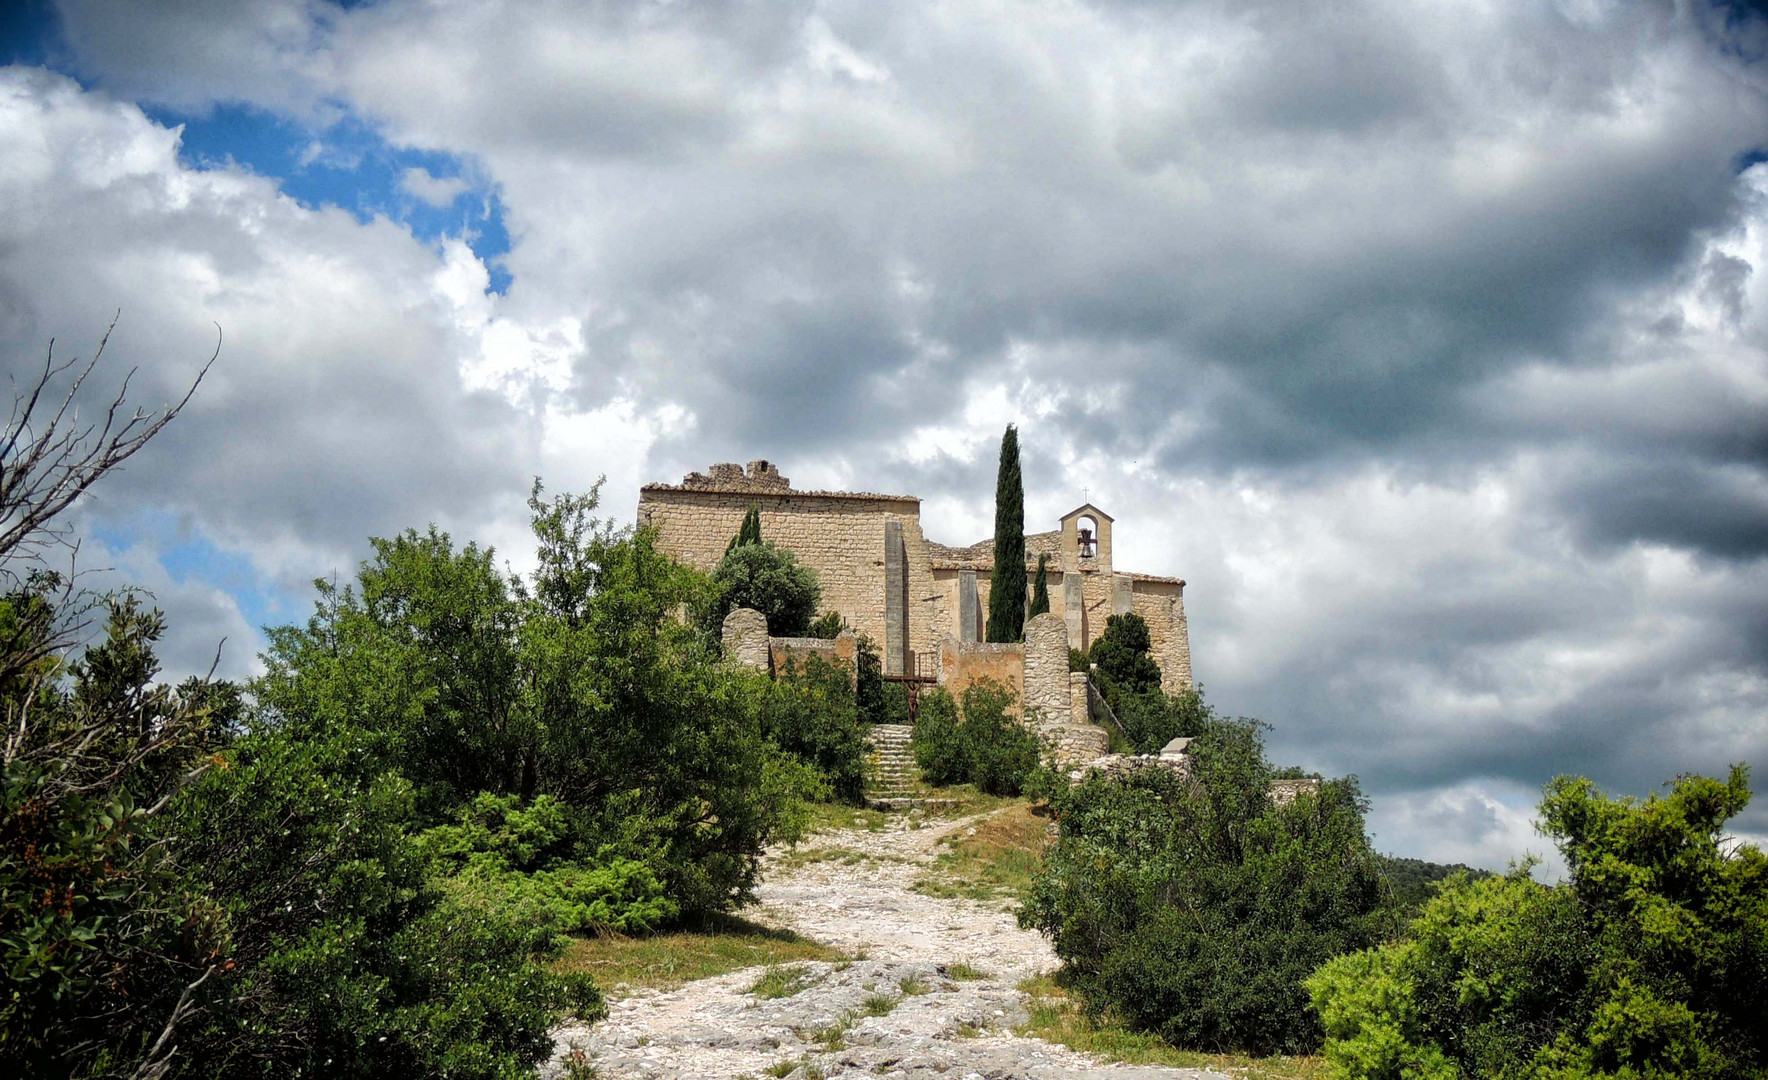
969, 608
1046, 671
1074, 609
745, 638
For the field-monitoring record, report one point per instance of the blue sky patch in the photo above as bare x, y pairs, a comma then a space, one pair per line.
350, 166
187, 558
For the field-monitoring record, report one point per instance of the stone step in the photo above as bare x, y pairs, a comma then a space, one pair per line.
893, 778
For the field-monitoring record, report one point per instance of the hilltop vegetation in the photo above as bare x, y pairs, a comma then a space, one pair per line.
364, 862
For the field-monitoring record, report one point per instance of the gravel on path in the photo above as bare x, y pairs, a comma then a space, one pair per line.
931, 995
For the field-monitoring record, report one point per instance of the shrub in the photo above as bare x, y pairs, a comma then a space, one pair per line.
1121, 657
1651, 962
938, 742
1151, 719
100, 932
345, 959
868, 681
1194, 909
580, 682
1003, 752
987, 747
810, 712
770, 580
827, 626
521, 862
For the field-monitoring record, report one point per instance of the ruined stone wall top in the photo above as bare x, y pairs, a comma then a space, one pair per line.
761, 477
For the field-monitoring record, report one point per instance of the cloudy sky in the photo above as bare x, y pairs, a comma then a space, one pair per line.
1425, 340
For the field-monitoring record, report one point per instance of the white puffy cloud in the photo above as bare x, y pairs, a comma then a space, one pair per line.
438, 191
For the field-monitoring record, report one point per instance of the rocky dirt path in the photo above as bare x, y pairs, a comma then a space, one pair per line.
932, 994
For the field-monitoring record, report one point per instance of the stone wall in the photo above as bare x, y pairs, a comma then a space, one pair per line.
1047, 699
963, 663
1076, 744
839, 536
796, 652
745, 638
1284, 792
1161, 605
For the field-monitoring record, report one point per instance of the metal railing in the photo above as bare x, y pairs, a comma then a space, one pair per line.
1098, 709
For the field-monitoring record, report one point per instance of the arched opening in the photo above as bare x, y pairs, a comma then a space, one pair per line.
1087, 534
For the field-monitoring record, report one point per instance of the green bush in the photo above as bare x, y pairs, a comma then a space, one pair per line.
1002, 751
1120, 657
810, 712
1195, 908
986, 746
770, 580
521, 861
1651, 962
345, 958
1151, 719
100, 932
938, 741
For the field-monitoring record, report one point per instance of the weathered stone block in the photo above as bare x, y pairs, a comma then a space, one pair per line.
744, 635
1047, 699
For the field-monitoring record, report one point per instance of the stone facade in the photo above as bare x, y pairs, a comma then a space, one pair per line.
900, 589
841, 535
962, 663
841, 651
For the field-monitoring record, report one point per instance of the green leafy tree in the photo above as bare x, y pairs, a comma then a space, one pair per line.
580, 683
868, 682
1006, 586
938, 741
1040, 589
1151, 719
105, 944
1121, 656
770, 580
1651, 962
1194, 908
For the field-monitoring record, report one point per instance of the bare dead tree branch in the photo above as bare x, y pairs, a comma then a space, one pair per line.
48, 458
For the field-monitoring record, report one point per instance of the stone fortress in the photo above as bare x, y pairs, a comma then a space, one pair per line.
923, 602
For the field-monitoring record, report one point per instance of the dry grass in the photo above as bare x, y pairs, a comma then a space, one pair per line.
666, 961
831, 817
1057, 1018
999, 856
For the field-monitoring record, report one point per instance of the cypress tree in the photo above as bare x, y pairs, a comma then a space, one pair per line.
1040, 589
1006, 586
747, 533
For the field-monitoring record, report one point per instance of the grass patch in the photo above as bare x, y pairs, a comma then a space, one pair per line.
779, 982
997, 857
962, 972
665, 961
1055, 1017
878, 1005
794, 858
830, 817
912, 987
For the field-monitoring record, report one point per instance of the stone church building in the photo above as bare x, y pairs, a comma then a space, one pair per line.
923, 602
